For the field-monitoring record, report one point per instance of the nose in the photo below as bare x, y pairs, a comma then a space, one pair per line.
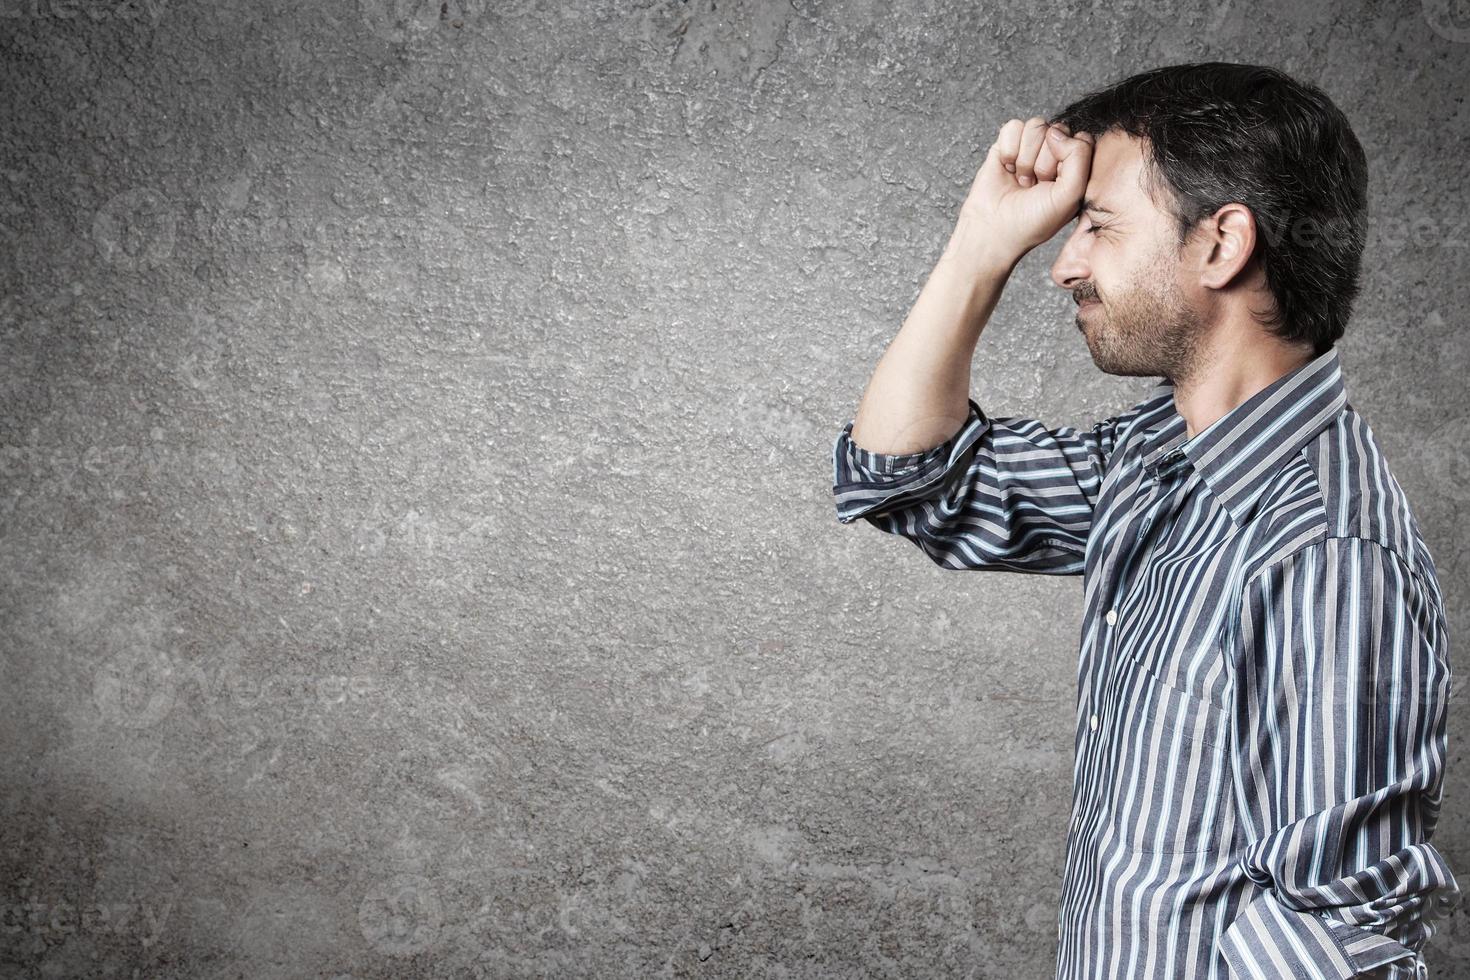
1071, 266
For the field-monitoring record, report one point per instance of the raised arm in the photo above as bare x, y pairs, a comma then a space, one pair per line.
1004, 493
920, 458
917, 395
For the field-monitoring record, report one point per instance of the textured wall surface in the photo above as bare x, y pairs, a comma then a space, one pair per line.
417, 555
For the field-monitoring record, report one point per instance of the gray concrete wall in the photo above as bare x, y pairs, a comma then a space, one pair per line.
417, 556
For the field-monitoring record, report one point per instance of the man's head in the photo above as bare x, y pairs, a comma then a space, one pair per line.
1218, 194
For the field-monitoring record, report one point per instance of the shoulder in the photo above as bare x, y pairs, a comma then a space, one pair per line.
1339, 496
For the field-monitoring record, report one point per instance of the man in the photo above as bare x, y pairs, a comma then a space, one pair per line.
1263, 673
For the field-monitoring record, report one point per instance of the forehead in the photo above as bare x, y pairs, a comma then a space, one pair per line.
1117, 177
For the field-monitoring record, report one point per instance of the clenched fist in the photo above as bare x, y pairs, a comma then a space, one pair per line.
1030, 185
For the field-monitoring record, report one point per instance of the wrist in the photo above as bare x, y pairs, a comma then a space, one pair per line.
976, 266
976, 253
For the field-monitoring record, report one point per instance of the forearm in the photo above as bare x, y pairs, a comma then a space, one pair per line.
918, 394
1340, 690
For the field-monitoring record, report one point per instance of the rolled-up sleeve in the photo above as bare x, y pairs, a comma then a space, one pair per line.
1338, 752
1002, 493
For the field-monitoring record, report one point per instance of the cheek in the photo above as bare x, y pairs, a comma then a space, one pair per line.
1117, 272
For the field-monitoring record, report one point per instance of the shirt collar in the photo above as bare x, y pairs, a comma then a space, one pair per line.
1238, 455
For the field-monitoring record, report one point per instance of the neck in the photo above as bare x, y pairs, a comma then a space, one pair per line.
1228, 373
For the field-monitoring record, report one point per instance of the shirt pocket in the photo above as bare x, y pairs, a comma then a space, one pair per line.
1172, 791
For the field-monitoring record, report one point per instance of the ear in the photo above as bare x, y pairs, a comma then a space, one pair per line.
1226, 240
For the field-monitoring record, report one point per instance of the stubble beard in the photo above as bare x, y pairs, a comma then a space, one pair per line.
1148, 331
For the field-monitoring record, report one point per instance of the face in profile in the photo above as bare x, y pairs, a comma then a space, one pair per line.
1122, 267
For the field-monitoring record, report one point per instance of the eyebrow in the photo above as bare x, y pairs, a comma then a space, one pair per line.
1088, 204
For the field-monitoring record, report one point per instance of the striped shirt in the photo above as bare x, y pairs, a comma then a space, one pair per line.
1262, 678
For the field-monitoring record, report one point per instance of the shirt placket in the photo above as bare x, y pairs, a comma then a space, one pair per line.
1160, 503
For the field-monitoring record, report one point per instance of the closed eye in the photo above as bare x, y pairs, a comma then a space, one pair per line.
1096, 228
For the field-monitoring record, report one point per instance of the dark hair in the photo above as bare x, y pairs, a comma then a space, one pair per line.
1218, 133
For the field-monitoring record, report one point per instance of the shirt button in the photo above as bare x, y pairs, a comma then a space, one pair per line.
1093, 722
1112, 616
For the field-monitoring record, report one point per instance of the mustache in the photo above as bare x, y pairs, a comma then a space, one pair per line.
1084, 293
